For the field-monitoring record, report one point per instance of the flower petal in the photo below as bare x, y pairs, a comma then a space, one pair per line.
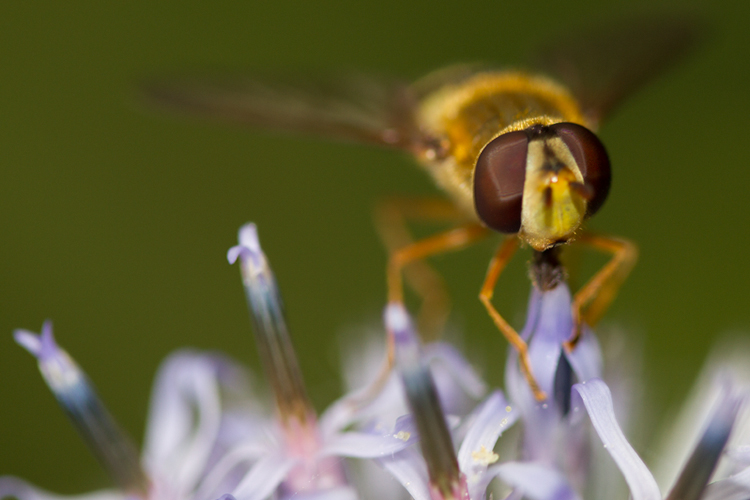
442, 355
535, 480
735, 487
340, 493
18, 488
727, 361
363, 445
586, 358
264, 477
228, 464
598, 401
553, 327
184, 418
487, 423
409, 469
272, 337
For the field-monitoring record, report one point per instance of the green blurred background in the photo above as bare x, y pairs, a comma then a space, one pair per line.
116, 220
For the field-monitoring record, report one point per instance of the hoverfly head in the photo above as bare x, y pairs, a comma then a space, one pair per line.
541, 182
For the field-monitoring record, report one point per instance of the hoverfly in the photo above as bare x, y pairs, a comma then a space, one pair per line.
514, 150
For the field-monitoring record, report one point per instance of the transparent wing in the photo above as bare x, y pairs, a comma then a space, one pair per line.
603, 65
349, 107
451, 75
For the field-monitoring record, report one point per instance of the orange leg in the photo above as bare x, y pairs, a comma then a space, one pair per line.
391, 221
593, 299
451, 240
497, 264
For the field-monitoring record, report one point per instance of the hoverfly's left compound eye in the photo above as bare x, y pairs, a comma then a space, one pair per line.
498, 181
591, 157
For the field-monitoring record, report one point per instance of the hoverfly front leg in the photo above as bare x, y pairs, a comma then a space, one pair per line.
497, 264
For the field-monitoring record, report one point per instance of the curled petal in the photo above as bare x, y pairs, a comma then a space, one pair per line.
598, 402
376, 443
249, 246
549, 324
552, 327
184, 418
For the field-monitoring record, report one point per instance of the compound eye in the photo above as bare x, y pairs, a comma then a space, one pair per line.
591, 158
498, 181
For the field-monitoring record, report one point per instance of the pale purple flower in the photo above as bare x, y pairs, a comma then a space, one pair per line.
438, 472
558, 457
297, 454
184, 430
723, 383
556, 432
208, 438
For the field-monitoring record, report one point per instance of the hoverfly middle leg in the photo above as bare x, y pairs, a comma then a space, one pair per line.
406, 253
391, 220
593, 299
447, 241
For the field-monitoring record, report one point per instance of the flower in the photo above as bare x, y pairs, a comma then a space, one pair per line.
292, 453
556, 434
207, 435
300, 455
208, 438
559, 455
439, 473
185, 431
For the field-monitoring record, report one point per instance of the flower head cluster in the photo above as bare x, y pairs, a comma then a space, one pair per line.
432, 431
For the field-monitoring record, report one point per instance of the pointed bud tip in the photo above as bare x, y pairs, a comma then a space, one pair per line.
249, 244
398, 322
248, 237
408, 350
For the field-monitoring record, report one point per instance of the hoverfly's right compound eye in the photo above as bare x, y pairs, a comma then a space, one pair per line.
498, 181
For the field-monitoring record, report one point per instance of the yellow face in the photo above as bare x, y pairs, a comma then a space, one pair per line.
552, 209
